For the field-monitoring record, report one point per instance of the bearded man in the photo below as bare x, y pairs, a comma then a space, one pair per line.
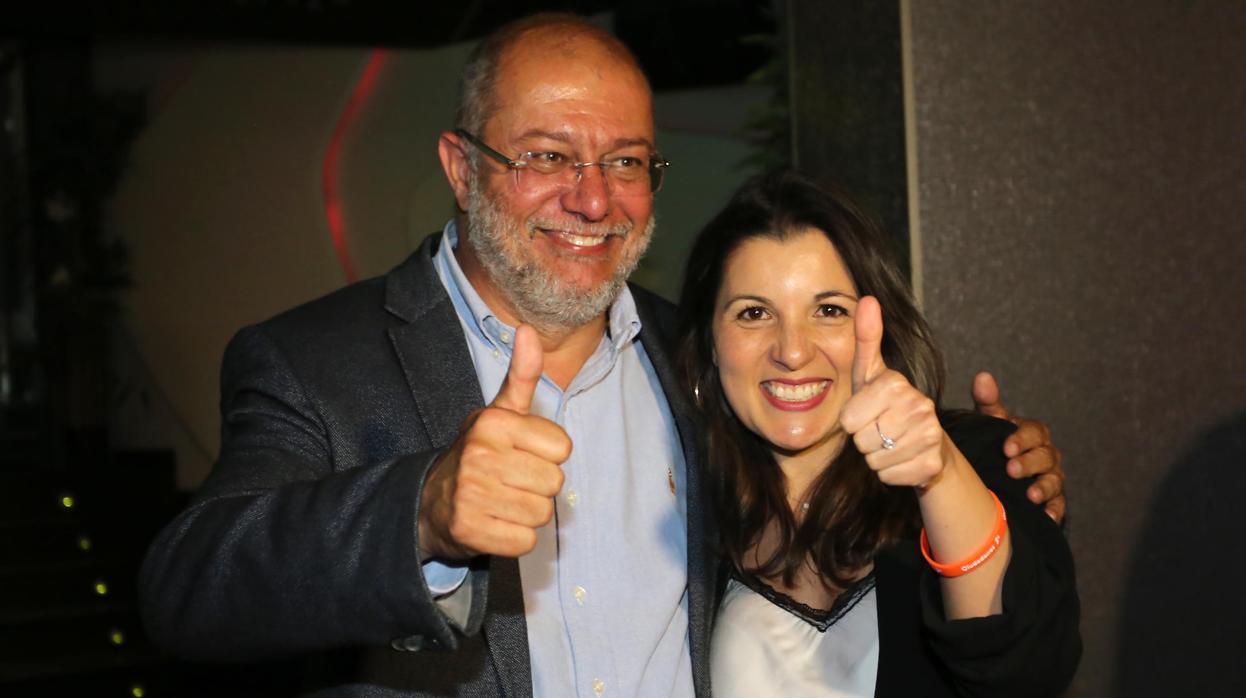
474, 475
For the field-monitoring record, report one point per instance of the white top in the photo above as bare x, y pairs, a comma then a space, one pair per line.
771, 645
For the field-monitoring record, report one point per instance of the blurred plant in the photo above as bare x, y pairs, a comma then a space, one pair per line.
85, 263
769, 124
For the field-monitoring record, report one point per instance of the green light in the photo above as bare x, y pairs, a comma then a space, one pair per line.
116, 637
137, 691
68, 501
84, 544
101, 587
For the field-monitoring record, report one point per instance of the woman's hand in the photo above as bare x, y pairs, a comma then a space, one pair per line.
892, 423
896, 428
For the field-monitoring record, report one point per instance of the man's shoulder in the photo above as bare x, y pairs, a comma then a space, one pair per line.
363, 306
362, 301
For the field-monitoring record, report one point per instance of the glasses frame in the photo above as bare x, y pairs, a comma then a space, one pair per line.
657, 163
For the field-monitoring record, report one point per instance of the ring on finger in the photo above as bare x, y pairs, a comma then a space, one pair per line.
888, 442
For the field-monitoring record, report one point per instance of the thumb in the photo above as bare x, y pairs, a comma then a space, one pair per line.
986, 399
867, 362
527, 362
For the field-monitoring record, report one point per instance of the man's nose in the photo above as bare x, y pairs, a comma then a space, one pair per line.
589, 195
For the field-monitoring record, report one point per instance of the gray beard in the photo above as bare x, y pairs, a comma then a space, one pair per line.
538, 296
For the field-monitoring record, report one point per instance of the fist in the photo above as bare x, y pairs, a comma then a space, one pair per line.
493, 488
893, 424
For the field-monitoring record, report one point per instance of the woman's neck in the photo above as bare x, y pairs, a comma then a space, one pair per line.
801, 469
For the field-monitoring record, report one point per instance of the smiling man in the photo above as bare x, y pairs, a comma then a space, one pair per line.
475, 475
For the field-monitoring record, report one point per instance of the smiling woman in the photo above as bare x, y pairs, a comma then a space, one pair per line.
819, 381
784, 341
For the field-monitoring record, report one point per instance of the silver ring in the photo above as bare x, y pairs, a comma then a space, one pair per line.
888, 442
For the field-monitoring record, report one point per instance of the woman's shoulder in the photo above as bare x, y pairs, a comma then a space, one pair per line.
981, 439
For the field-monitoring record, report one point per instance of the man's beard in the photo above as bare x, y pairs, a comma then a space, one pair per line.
535, 293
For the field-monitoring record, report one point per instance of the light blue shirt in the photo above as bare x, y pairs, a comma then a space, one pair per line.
606, 588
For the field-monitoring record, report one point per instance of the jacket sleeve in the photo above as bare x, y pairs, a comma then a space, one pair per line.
1033, 647
280, 553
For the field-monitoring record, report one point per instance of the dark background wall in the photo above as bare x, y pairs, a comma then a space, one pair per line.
1080, 184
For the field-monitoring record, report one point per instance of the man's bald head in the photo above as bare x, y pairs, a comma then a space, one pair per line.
552, 34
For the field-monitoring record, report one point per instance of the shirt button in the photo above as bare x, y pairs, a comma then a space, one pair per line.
573, 497
580, 594
599, 686
506, 337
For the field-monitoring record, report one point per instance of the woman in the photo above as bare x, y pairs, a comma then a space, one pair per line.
869, 551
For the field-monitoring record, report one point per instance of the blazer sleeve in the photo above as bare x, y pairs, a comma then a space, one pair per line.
279, 553
1033, 647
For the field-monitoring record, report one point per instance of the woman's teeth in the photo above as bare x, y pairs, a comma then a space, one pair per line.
795, 393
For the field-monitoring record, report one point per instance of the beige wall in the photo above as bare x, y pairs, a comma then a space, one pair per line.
1079, 184
222, 202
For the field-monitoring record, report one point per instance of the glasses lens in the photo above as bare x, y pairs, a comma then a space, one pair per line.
657, 168
627, 176
546, 162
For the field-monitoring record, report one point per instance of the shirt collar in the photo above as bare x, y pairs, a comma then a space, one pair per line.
623, 320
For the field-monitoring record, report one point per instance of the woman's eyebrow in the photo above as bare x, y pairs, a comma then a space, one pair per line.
835, 294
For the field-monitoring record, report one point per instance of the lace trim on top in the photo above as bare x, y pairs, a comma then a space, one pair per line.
819, 618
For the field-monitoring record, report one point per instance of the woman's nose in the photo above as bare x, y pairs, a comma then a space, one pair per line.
792, 348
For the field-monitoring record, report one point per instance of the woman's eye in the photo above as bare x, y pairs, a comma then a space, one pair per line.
752, 313
832, 310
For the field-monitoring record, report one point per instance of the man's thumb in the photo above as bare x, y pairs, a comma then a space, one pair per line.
527, 362
986, 399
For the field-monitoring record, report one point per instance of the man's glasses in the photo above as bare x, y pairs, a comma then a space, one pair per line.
628, 175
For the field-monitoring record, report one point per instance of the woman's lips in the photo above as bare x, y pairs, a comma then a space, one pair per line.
796, 397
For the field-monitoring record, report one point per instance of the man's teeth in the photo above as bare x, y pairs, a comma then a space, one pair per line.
795, 393
584, 240
578, 240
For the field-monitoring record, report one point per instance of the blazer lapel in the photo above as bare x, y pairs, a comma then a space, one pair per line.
435, 359
702, 565
431, 347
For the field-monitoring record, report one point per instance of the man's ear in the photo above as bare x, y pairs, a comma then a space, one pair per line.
455, 163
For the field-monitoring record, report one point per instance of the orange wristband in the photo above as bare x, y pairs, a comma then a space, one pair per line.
979, 556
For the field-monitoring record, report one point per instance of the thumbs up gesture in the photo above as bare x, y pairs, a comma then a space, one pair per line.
492, 489
892, 423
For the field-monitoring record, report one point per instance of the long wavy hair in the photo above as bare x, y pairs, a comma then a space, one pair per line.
851, 514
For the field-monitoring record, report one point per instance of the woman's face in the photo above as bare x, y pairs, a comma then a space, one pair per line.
783, 341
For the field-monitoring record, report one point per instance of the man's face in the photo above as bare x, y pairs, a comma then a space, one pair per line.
558, 250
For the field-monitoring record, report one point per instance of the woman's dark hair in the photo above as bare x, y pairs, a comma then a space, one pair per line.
851, 513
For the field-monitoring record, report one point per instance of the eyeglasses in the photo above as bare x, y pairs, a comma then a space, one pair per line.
627, 174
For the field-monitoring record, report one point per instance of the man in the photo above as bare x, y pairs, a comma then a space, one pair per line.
367, 499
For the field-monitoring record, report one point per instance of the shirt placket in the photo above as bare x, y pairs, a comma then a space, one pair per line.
583, 566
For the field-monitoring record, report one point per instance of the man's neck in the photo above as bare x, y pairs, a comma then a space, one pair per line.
566, 348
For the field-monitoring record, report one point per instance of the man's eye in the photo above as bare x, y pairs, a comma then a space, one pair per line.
547, 159
628, 162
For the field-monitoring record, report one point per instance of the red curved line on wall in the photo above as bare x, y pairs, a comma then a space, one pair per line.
329, 169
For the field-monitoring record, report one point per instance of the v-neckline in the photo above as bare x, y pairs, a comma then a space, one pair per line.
820, 618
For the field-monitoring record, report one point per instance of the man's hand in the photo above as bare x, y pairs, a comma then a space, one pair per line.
1029, 449
492, 489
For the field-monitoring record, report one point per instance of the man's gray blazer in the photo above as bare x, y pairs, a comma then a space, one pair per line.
303, 540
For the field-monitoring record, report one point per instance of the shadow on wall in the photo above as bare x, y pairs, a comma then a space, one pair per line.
1184, 614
